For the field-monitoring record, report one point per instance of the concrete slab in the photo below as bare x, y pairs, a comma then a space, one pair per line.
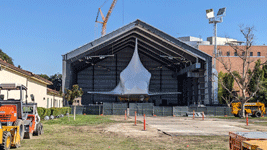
189, 126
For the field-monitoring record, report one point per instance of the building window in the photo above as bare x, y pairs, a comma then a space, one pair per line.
228, 54
258, 53
251, 53
235, 53
47, 102
243, 53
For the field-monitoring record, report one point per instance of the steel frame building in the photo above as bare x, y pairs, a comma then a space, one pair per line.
174, 65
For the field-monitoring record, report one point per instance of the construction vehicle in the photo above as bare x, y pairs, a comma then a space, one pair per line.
256, 109
9, 136
34, 127
16, 113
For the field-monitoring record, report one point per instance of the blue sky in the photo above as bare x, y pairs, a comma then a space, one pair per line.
35, 33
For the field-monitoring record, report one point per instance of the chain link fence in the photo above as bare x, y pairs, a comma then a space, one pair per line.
149, 109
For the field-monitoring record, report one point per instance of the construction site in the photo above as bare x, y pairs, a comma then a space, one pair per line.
135, 87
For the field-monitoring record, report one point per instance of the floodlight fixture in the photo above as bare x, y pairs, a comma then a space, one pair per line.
210, 13
221, 12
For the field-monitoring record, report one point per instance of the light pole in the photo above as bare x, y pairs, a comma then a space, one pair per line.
215, 19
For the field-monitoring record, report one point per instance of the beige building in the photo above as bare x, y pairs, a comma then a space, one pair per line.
53, 99
36, 85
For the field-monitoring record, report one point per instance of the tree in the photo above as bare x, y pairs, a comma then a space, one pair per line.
243, 78
224, 96
44, 76
72, 94
56, 79
6, 58
258, 73
261, 95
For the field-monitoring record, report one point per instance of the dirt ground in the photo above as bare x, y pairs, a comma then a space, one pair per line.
176, 126
161, 133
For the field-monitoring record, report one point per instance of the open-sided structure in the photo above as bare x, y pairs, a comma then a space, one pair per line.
174, 66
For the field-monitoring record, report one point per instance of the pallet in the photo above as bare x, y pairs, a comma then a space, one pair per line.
254, 145
236, 138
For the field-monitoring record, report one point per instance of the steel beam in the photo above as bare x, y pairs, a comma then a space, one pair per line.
189, 68
193, 75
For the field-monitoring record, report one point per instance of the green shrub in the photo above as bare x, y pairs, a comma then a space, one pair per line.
47, 111
52, 111
41, 111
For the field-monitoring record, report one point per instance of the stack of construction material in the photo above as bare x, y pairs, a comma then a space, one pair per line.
237, 138
254, 145
197, 114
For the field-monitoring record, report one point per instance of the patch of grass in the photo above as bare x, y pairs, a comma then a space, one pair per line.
81, 120
238, 118
58, 137
261, 123
222, 117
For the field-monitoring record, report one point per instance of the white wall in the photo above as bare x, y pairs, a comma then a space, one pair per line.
38, 89
53, 101
8, 77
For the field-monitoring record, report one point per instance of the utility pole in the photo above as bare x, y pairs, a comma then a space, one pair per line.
215, 19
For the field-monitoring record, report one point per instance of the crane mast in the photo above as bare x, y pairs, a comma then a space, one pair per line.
105, 19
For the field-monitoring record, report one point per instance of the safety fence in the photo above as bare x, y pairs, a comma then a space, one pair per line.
149, 109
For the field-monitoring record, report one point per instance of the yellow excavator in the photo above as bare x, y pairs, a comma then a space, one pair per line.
256, 109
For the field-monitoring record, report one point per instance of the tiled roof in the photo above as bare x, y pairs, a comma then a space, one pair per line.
53, 92
25, 72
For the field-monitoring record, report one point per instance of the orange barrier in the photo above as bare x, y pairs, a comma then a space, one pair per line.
202, 115
135, 118
193, 114
125, 115
247, 119
144, 122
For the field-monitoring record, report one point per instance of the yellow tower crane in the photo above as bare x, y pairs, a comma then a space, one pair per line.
105, 19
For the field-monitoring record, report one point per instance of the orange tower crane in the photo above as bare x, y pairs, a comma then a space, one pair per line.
105, 19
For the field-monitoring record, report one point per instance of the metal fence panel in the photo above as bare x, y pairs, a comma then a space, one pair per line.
167, 111
79, 110
141, 109
180, 110
158, 110
114, 108
149, 109
93, 110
